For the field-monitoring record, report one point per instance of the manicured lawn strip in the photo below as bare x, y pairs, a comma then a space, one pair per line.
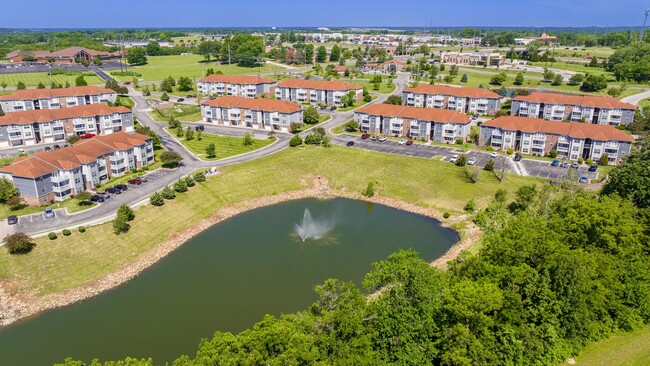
33, 78
626, 349
159, 67
189, 113
384, 87
71, 204
72, 261
644, 102
225, 146
361, 103
125, 101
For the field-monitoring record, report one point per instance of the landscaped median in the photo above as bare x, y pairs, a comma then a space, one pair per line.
224, 146
182, 112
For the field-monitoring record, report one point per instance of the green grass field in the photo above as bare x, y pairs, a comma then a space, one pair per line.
72, 261
71, 204
626, 349
384, 86
33, 78
159, 67
182, 112
644, 102
226, 146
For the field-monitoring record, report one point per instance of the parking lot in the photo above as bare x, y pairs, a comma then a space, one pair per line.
543, 169
26, 67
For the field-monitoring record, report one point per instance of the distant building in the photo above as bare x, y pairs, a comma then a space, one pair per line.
261, 114
46, 177
393, 66
340, 69
465, 100
473, 58
65, 56
34, 99
316, 91
534, 136
436, 125
236, 85
574, 108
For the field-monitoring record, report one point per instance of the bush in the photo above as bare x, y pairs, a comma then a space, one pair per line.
52, 236
326, 141
248, 139
170, 159
510, 151
82, 229
310, 115
462, 160
210, 151
552, 154
199, 177
580, 160
180, 186
126, 211
164, 97
296, 140
470, 206
120, 225
157, 199
189, 181
351, 126
446, 215
72, 139
367, 98
459, 141
168, 193
489, 166
604, 160
589, 161
19, 243
66, 232
370, 190
314, 138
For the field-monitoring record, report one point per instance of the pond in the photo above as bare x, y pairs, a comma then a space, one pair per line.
226, 279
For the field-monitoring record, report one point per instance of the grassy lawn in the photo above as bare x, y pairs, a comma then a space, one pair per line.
33, 78
384, 86
644, 102
322, 118
182, 112
71, 204
159, 67
226, 146
74, 260
339, 109
626, 349
125, 101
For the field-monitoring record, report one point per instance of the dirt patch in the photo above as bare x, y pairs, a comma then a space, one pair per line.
15, 304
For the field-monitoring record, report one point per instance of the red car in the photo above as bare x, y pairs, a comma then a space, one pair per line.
365, 136
127, 83
135, 181
87, 136
409, 142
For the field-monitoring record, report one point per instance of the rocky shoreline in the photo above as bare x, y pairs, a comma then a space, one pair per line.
15, 305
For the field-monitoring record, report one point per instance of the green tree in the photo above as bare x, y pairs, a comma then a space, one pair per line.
310, 116
463, 79
370, 189
604, 160
153, 49
20, 86
210, 151
499, 78
394, 99
7, 189
519, 79
524, 198
321, 54
126, 211
180, 186
631, 178
351, 126
170, 159
19, 243
462, 160
548, 75
470, 206
247, 139
98, 61
168, 193
184, 84
40, 85
614, 92
335, 53
199, 177
296, 140
157, 199
594, 83
164, 97
557, 80
136, 56
120, 225
594, 62
576, 79
489, 166
189, 133
453, 70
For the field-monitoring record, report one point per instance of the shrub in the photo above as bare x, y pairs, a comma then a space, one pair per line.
370, 190
446, 215
489, 166
470, 206
552, 154
510, 151
170, 159
126, 211
210, 151
310, 115
296, 140
52, 236
326, 141
580, 160
82, 229
168, 193
462, 160
351, 126
164, 97
490, 148
180, 186
157, 199
604, 160
120, 225
190, 181
459, 141
313, 138
589, 161
367, 98
19, 243
199, 177
66, 232
248, 139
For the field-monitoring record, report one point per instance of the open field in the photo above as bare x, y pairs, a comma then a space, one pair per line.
626, 349
384, 86
225, 146
182, 112
33, 78
160, 67
72, 261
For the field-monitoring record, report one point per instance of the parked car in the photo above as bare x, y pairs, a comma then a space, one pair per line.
180, 100
87, 136
593, 168
471, 161
96, 198
453, 159
409, 142
12, 220
517, 157
583, 179
402, 142
135, 181
188, 96
113, 190
48, 213
127, 83
574, 165
494, 155
383, 138
47, 149
350, 144
212, 97
374, 138
365, 136
332, 108
565, 165
143, 179
555, 163
122, 187
56, 147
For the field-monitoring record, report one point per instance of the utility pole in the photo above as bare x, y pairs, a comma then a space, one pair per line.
228, 53
646, 13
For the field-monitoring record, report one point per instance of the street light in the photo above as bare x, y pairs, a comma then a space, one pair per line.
646, 13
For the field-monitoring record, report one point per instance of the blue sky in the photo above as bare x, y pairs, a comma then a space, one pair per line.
333, 13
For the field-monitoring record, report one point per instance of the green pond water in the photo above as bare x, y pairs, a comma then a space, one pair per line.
225, 279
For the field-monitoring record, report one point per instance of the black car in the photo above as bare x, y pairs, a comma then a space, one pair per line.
56, 147
47, 149
113, 190
593, 168
517, 157
122, 187
350, 143
96, 198
332, 108
12, 220
212, 97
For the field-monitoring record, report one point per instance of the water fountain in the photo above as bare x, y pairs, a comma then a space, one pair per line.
311, 229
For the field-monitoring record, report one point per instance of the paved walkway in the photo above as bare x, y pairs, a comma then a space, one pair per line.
636, 98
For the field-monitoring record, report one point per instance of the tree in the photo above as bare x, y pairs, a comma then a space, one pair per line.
83, 197
20, 86
576, 79
126, 211
614, 92
67, 84
461, 161
604, 160
453, 70
594, 83
170, 159
519, 79
80, 81
310, 116
503, 91
248, 140
2, 113
499, 78
19, 243
631, 178
463, 79
184, 84
394, 99
524, 198
180, 186
210, 151
470, 206
168, 193
157, 199
98, 61
321, 54
631, 62
296, 140
153, 48
189, 133
3, 85
351, 126
7, 189
199, 177
489, 166
120, 225
136, 56
173, 123
73, 139
594, 62
40, 85
548, 75
335, 53
557, 80
164, 97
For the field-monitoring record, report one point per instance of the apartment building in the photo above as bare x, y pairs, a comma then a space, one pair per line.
473, 58
573, 108
35, 99
436, 125
47, 177
465, 100
393, 66
237, 85
261, 114
316, 91
536, 136
56, 125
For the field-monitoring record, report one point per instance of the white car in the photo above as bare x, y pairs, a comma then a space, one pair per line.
471, 161
402, 142
453, 159
494, 155
383, 138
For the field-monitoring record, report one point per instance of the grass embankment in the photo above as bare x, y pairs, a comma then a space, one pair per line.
72, 261
182, 112
192, 66
73, 205
125, 101
225, 146
626, 349
33, 78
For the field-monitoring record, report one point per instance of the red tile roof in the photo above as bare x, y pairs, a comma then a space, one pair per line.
455, 91
318, 84
84, 151
56, 93
69, 52
267, 105
340, 68
48, 115
573, 129
582, 100
236, 79
422, 114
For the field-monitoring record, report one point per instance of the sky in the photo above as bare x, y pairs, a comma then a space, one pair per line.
329, 13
